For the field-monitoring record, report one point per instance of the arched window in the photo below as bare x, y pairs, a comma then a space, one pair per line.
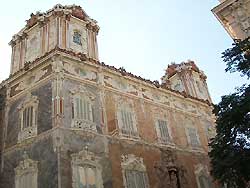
134, 172
28, 118
87, 173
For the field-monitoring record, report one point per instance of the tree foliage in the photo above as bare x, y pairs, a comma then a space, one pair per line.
230, 149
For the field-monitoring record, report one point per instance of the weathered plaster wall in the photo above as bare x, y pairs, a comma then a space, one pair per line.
151, 156
74, 141
44, 119
41, 151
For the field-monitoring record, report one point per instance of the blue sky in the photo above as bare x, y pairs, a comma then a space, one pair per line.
143, 36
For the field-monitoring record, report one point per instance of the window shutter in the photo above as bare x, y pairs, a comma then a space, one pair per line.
135, 179
193, 137
163, 129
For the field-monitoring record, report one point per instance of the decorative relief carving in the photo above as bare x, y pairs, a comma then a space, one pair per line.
170, 174
86, 160
33, 45
240, 12
83, 124
84, 156
84, 91
74, 28
26, 173
26, 166
131, 162
80, 72
52, 34
121, 84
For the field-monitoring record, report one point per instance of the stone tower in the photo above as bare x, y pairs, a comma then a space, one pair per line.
68, 120
234, 15
186, 77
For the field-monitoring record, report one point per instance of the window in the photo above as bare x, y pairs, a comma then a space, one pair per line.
87, 173
26, 174
83, 108
77, 38
162, 131
87, 176
127, 123
135, 179
204, 182
202, 176
82, 112
193, 137
28, 118
134, 172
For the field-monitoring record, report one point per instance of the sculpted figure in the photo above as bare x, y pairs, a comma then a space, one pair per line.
174, 180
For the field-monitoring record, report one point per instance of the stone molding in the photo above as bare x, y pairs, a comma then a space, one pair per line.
169, 173
127, 105
132, 162
83, 158
27, 166
201, 170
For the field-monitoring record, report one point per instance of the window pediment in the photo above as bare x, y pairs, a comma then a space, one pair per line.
131, 162
26, 166
29, 100
26, 173
86, 170
85, 157
84, 92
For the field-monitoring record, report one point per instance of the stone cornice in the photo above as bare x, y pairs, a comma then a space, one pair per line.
84, 57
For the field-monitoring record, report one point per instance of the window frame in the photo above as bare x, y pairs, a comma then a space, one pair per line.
190, 125
27, 166
82, 123
198, 145
82, 159
201, 170
169, 141
124, 108
28, 131
134, 164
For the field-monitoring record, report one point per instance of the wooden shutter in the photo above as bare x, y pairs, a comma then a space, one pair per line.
193, 136
163, 129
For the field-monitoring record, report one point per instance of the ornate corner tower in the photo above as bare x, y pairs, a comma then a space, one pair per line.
187, 77
234, 15
64, 27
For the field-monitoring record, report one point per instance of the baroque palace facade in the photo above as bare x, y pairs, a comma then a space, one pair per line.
68, 120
